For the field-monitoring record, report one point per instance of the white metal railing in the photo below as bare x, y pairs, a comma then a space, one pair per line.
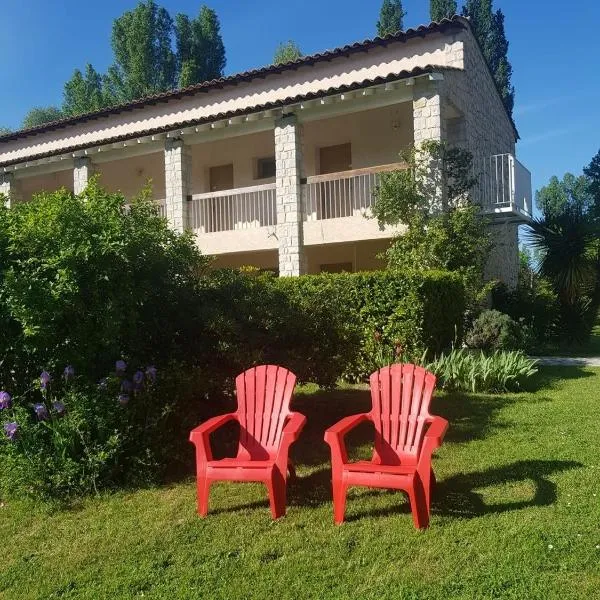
345, 194
242, 208
505, 183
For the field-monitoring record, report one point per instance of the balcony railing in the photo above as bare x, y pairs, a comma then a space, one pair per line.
230, 210
345, 194
505, 184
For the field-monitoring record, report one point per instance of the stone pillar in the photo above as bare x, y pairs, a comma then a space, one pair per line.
290, 213
10, 188
503, 262
178, 172
82, 173
430, 126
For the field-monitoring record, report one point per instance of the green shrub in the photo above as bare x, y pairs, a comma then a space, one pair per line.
474, 371
411, 312
493, 330
83, 280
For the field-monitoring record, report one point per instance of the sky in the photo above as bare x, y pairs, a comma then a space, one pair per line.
554, 50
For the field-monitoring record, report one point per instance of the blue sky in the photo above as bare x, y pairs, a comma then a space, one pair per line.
555, 55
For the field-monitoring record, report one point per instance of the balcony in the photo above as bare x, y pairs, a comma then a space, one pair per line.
505, 188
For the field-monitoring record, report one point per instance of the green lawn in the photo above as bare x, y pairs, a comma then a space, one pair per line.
517, 515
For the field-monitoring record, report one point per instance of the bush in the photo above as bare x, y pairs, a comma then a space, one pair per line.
474, 371
411, 312
494, 330
66, 437
83, 280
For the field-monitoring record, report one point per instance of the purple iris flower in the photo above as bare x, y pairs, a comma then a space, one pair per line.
60, 408
45, 379
138, 380
11, 430
120, 367
151, 373
123, 399
5, 400
41, 412
69, 372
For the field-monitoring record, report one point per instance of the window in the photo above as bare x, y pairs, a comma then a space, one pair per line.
345, 267
265, 168
335, 159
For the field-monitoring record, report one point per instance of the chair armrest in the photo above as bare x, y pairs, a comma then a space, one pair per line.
341, 428
293, 427
436, 431
208, 427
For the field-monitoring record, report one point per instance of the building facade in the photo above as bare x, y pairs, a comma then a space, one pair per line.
276, 167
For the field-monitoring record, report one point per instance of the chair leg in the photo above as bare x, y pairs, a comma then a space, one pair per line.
203, 494
277, 494
418, 504
340, 490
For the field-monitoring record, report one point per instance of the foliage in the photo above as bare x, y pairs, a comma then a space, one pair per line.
391, 18
84, 93
442, 9
200, 49
592, 172
40, 115
83, 280
570, 193
493, 330
444, 229
5, 130
488, 27
287, 52
69, 437
475, 371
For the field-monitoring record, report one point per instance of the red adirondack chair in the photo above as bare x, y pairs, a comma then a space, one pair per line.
406, 436
267, 430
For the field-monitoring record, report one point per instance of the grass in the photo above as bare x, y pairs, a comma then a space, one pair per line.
515, 516
591, 348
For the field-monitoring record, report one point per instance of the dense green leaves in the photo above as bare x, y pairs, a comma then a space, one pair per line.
442, 9
391, 18
287, 52
84, 93
41, 115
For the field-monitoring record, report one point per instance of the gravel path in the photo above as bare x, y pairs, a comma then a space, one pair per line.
564, 361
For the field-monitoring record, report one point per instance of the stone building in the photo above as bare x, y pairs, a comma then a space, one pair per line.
276, 167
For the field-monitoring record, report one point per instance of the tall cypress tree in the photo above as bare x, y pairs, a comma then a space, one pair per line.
84, 93
200, 48
442, 9
390, 18
488, 27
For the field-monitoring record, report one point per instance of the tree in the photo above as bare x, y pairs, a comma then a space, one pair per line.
287, 52
40, 115
488, 28
592, 172
84, 93
572, 193
145, 63
390, 18
200, 48
5, 130
442, 9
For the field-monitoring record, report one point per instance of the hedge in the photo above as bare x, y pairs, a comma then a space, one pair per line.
335, 325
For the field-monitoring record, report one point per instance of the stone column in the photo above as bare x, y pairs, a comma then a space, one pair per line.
290, 213
82, 172
178, 171
430, 126
503, 262
9, 187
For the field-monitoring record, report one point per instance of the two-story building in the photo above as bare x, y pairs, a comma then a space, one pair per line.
276, 167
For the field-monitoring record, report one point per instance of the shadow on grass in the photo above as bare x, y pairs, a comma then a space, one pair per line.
552, 377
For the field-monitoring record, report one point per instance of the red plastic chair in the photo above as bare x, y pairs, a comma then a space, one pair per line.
267, 430
406, 436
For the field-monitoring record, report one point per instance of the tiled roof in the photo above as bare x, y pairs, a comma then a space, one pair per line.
455, 22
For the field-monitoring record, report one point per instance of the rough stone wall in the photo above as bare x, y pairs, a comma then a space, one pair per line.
290, 216
503, 263
82, 172
9, 187
178, 170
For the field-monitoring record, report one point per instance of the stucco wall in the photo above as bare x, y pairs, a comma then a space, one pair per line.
50, 182
130, 175
242, 151
377, 136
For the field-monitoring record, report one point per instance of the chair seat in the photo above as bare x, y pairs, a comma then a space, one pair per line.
365, 466
235, 463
